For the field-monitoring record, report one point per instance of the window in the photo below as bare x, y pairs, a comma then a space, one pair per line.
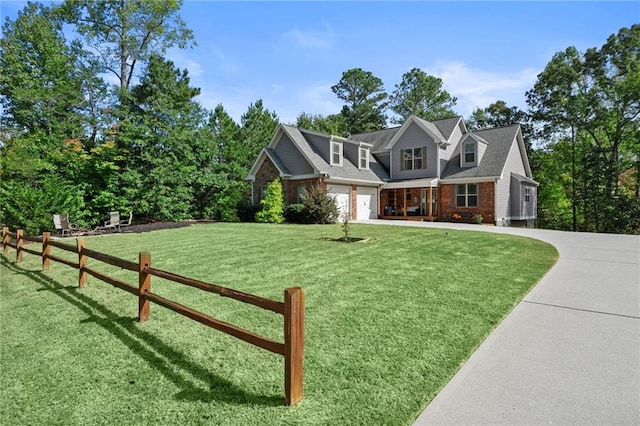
302, 189
263, 192
336, 153
363, 155
413, 158
467, 195
527, 194
470, 152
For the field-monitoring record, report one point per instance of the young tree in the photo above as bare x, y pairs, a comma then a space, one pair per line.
422, 95
365, 100
272, 205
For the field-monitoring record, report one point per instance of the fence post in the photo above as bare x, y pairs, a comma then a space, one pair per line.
19, 241
144, 285
293, 344
5, 239
46, 250
82, 263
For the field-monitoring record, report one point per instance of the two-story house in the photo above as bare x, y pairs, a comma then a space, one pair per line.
422, 170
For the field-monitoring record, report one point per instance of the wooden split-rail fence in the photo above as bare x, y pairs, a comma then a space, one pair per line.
292, 308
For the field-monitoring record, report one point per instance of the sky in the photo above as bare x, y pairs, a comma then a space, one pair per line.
289, 54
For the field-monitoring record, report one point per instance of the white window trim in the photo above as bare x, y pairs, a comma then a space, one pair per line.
466, 195
463, 158
341, 153
364, 150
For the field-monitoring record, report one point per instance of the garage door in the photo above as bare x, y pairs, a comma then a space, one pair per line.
342, 194
367, 205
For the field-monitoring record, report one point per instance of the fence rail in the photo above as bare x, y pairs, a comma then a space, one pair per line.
292, 308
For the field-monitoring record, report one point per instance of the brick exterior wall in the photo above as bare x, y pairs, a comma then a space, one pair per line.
354, 202
290, 188
265, 175
486, 202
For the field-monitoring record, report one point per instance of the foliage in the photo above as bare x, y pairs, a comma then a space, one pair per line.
333, 124
477, 218
422, 95
295, 213
128, 33
32, 207
592, 100
365, 100
272, 205
320, 207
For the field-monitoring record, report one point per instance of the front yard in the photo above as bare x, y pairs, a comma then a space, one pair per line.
388, 322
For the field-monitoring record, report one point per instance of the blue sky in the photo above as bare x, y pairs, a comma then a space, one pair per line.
289, 54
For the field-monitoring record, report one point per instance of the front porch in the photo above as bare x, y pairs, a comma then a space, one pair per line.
409, 203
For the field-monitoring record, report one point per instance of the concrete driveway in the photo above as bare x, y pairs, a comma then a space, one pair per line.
569, 353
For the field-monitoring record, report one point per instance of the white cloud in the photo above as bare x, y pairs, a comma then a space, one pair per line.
309, 38
317, 98
224, 62
182, 61
479, 88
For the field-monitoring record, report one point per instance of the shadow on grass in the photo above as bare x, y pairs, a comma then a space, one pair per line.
160, 356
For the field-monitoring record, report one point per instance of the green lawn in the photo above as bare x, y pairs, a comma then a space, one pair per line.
388, 323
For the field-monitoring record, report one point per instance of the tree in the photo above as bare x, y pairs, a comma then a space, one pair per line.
364, 96
333, 124
258, 125
595, 97
272, 205
422, 95
125, 33
40, 90
162, 136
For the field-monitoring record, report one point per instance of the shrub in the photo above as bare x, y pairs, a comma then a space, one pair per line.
320, 207
295, 213
247, 211
272, 205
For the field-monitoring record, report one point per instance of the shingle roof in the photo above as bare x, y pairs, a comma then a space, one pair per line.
276, 161
447, 125
348, 170
498, 140
378, 139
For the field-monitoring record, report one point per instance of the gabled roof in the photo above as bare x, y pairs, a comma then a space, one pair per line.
499, 141
427, 126
348, 170
448, 125
378, 139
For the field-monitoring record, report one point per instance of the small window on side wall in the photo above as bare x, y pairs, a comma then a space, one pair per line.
302, 189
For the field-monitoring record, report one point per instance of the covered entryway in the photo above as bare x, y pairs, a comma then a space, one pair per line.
367, 203
342, 195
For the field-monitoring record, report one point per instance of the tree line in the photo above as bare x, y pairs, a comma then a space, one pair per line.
72, 142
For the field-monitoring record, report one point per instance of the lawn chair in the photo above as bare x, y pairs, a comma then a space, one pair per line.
61, 223
113, 222
128, 221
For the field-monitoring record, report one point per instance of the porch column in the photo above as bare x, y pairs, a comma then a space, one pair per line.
430, 202
404, 201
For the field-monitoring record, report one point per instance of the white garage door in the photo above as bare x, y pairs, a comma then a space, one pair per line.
367, 205
342, 194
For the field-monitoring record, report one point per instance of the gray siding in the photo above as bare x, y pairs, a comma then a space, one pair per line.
350, 152
384, 159
320, 145
415, 137
520, 208
292, 157
514, 164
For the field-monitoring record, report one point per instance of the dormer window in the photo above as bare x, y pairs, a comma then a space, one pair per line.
470, 152
363, 158
336, 153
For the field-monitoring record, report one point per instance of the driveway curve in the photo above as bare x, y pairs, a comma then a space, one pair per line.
569, 353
